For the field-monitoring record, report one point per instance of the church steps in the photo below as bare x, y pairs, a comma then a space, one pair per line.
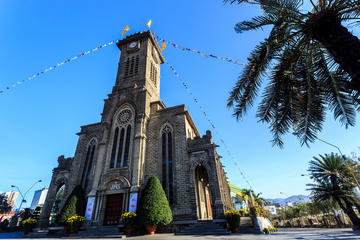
203, 228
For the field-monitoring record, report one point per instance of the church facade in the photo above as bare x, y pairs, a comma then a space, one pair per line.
138, 137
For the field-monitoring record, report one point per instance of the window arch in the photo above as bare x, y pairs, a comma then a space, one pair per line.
120, 153
88, 163
132, 65
167, 174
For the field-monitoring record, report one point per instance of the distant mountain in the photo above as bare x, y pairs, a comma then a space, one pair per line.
291, 199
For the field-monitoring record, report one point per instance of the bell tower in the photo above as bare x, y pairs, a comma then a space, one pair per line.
139, 65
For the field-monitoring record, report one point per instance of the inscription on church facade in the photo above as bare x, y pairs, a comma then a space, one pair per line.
115, 186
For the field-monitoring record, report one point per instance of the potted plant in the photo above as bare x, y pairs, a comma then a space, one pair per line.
154, 206
269, 230
74, 223
128, 220
233, 219
28, 225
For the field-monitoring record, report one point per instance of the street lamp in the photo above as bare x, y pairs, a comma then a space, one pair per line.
357, 183
343, 156
23, 196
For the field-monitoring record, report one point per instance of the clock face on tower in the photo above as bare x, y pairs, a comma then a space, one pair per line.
133, 45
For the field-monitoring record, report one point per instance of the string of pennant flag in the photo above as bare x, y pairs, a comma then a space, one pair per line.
210, 121
163, 46
67, 60
207, 55
125, 29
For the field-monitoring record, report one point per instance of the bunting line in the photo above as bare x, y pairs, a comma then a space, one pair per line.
226, 59
2, 91
67, 60
209, 120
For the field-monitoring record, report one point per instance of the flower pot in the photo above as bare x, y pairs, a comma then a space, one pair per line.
27, 228
128, 231
67, 229
234, 230
151, 229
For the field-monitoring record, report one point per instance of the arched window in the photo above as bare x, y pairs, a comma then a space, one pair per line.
167, 162
112, 161
88, 164
120, 154
132, 65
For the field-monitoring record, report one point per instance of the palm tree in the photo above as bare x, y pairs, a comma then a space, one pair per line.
259, 200
322, 191
328, 173
311, 62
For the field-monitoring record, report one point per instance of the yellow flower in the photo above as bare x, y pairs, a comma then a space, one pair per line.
30, 221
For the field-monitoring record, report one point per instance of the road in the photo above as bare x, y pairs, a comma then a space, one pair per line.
283, 234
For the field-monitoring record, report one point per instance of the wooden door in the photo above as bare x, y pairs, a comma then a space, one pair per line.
208, 204
113, 211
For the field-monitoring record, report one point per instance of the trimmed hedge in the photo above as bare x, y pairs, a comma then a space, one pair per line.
154, 207
74, 205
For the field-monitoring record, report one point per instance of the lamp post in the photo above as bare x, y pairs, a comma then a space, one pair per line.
23, 196
333, 145
343, 156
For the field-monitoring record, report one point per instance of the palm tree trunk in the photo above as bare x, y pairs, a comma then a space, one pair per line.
338, 221
349, 211
344, 47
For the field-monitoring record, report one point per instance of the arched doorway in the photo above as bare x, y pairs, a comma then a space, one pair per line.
115, 193
203, 193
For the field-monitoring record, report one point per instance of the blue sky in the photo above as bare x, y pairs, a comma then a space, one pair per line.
39, 118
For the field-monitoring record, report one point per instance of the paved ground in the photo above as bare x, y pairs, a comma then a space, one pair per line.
283, 234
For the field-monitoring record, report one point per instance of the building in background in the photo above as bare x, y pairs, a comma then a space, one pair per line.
240, 203
39, 198
11, 197
271, 208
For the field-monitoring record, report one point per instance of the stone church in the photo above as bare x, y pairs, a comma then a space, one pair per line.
138, 137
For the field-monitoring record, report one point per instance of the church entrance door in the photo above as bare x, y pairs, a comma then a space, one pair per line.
203, 193
114, 207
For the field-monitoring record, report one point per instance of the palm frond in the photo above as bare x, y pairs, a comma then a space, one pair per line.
306, 79
255, 23
311, 102
279, 110
333, 85
246, 88
285, 7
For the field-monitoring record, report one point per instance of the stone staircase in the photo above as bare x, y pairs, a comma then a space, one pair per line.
203, 228
88, 232
101, 231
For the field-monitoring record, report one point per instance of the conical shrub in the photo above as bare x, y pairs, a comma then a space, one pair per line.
154, 207
74, 205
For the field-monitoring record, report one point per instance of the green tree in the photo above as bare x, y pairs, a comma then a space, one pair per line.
154, 207
311, 61
4, 205
74, 205
329, 173
259, 200
58, 199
